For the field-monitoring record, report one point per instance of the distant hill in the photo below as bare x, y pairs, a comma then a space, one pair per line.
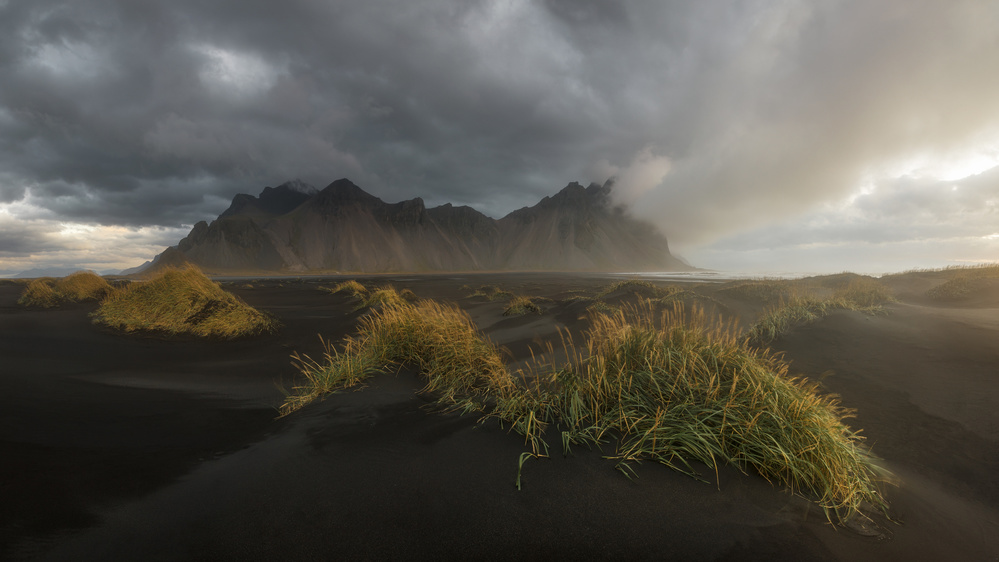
294, 228
57, 272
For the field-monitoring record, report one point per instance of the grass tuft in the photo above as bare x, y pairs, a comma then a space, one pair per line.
672, 388
372, 297
762, 291
182, 301
77, 287
780, 319
439, 339
864, 294
40, 293
967, 282
519, 306
491, 293
678, 387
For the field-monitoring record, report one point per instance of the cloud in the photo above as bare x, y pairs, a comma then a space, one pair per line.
897, 224
718, 118
645, 173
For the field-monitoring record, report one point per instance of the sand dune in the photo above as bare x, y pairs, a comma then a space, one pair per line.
134, 447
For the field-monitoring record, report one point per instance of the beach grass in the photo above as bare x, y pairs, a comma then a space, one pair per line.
370, 297
181, 301
491, 293
677, 387
863, 294
966, 282
520, 306
439, 339
47, 292
665, 385
760, 290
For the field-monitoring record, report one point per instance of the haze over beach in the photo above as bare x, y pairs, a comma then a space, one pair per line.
757, 136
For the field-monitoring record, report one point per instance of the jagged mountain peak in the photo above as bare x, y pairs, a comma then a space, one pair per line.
272, 201
344, 192
572, 198
344, 228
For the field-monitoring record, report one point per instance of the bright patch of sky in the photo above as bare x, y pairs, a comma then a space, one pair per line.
231, 72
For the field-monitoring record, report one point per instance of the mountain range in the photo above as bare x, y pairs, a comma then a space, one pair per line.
294, 228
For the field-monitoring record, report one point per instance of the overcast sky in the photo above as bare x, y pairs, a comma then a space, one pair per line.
759, 136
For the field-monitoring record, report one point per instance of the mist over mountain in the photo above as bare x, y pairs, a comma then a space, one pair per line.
294, 228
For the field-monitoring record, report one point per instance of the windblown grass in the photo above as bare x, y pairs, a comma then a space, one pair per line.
40, 293
439, 339
80, 286
681, 387
642, 290
491, 293
966, 282
862, 293
372, 297
182, 301
672, 388
780, 319
865, 293
519, 306
352, 286
638, 286
763, 290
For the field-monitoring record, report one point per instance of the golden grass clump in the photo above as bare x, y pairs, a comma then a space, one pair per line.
519, 306
438, 339
953, 289
681, 387
644, 288
763, 290
83, 285
864, 293
860, 293
40, 293
968, 281
353, 287
491, 293
182, 301
671, 388
372, 297
780, 319
46, 292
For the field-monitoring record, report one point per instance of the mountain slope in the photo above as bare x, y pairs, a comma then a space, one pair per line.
291, 228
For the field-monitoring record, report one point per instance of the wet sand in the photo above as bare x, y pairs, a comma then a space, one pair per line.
135, 447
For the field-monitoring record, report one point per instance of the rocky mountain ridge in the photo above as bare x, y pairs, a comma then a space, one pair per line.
294, 228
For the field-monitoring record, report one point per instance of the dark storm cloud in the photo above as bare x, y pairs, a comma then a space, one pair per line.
715, 116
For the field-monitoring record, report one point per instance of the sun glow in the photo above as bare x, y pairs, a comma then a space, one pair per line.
947, 167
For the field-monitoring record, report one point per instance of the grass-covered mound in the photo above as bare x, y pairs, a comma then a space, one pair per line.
80, 286
669, 388
861, 293
439, 339
491, 293
519, 306
370, 297
760, 291
967, 282
181, 301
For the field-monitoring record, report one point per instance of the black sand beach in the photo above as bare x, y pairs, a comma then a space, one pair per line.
134, 447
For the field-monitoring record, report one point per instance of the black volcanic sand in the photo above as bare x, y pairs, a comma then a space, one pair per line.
137, 448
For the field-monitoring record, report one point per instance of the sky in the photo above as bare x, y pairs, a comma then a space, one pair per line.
759, 136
